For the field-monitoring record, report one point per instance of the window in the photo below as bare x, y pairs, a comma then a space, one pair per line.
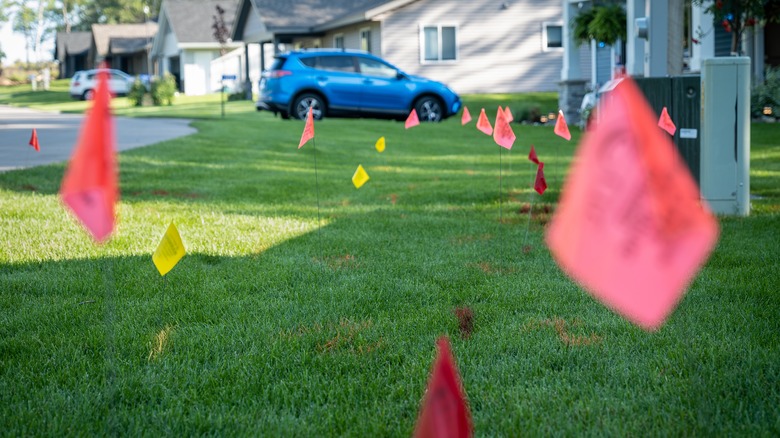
552, 36
330, 63
373, 67
365, 39
439, 43
338, 41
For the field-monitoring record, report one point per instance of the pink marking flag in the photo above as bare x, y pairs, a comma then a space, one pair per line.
483, 124
630, 227
540, 184
666, 123
561, 128
308, 130
90, 185
503, 134
412, 120
508, 115
444, 413
466, 116
34, 140
532, 155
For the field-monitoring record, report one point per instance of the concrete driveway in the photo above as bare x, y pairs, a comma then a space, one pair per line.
57, 134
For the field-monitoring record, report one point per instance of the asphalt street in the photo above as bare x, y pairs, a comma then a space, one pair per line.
57, 135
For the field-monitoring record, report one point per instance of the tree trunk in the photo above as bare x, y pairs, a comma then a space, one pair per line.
65, 17
39, 30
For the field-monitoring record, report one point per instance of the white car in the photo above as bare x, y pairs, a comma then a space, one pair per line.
83, 83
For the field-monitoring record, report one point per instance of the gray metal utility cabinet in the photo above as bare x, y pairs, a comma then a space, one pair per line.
725, 134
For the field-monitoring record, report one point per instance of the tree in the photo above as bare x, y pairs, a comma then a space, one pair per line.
737, 15
221, 31
115, 11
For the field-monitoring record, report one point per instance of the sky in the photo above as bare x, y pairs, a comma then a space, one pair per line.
13, 46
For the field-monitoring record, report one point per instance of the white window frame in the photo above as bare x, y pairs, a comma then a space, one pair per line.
438, 33
335, 38
367, 30
546, 25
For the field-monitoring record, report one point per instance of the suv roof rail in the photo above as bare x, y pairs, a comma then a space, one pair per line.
331, 49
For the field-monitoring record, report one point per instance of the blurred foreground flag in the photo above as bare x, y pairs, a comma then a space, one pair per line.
561, 128
412, 120
34, 140
444, 413
466, 116
540, 184
665, 122
380, 145
169, 251
360, 177
308, 130
483, 124
629, 226
503, 134
89, 187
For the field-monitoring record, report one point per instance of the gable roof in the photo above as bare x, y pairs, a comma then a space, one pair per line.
280, 16
191, 20
73, 43
102, 34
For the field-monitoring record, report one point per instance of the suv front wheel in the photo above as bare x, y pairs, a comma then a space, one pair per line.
429, 109
300, 108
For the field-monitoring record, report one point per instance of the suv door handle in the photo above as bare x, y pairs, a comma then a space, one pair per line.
368, 81
322, 78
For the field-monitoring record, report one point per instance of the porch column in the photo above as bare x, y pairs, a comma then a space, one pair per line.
704, 34
657, 50
571, 89
635, 47
247, 81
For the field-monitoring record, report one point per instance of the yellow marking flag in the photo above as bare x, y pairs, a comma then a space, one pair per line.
360, 177
169, 251
380, 145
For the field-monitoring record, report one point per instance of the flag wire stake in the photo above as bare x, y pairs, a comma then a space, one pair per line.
317, 188
108, 318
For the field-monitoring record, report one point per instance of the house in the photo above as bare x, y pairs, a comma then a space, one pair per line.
474, 47
185, 44
655, 55
122, 46
71, 50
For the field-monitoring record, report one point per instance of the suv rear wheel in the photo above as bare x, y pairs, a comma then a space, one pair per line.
300, 108
88, 95
429, 109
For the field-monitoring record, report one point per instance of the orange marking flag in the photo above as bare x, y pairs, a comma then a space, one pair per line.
630, 227
503, 134
483, 124
412, 120
90, 185
308, 130
444, 413
466, 116
540, 184
561, 128
34, 140
532, 155
666, 123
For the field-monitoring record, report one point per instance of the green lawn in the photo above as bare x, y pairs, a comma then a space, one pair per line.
278, 323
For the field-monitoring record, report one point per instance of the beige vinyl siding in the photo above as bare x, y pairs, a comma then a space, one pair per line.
499, 49
351, 36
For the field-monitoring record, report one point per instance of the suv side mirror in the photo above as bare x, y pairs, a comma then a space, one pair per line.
400, 75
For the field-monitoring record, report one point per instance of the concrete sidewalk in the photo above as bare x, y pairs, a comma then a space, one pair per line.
57, 135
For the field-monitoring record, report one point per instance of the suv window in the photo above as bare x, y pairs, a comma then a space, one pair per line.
330, 63
373, 67
278, 63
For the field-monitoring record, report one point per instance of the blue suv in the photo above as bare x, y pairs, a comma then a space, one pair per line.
345, 82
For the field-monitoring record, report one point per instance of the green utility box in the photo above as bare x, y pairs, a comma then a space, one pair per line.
681, 95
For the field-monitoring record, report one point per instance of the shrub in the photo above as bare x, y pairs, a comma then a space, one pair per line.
163, 90
136, 93
766, 95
